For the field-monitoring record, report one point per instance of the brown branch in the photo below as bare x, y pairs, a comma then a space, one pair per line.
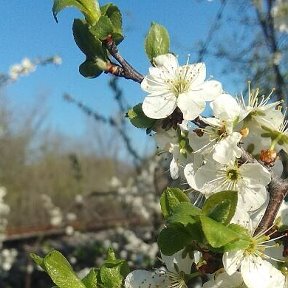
125, 69
277, 189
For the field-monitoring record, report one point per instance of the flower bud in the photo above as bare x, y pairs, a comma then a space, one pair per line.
268, 157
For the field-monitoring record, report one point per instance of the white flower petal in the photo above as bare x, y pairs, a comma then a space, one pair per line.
232, 261
252, 198
209, 90
168, 61
227, 150
190, 105
159, 106
196, 73
223, 280
189, 173
146, 279
225, 107
154, 85
183, 264
255, 174
258, 273
174, 169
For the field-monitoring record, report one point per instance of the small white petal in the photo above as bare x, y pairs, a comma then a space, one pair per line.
255, 174
223, 280
196, 73
174, 169
183, 264
227, 150
159, 106
190, 105
232, 261
154, 85
258, 273
168, 61
209, 90
225, 107
252, 198
146, 279
189, 173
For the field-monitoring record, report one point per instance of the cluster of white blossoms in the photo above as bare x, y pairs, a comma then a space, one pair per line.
138, 194
28, 66
207, 154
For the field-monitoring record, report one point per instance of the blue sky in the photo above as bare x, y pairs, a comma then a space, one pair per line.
29, 30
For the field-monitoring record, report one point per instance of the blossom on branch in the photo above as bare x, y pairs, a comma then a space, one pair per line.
169, 86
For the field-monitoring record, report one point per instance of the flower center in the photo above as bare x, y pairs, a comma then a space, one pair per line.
232, 174
180, 84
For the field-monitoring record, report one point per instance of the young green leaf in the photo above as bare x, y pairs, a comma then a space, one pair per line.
89, 69
38, 260
102, 28
90, 8
113, 273
217, 234
157, 41
221, 206
60, 271
171, 198
173, 238
138, 118
185, 213
90, 280
114, 14
243, 241
88, 44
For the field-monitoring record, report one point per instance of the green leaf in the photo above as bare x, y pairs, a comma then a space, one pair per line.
60, 271
114, 14
88, 44
113, 273
38, 260
170, 198
138, 118
217, 234
89, 69
90, 280
102, 28
221, 206
157, 41
185, 213
89, 8
245, 239
173, 238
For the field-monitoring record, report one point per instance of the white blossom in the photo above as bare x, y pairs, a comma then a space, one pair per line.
250, 180
222, 140
256, 271
173, 277
169, 86
223, 280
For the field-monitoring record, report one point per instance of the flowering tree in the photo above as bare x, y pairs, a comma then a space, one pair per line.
225, 228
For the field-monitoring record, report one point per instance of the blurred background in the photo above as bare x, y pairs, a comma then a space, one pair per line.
76, 175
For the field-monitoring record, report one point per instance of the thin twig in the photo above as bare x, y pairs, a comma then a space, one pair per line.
110, 121
125, 69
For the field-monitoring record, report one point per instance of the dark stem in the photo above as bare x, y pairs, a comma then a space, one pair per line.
125, 69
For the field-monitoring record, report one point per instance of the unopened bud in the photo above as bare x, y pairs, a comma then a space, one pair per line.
244, 132
268, 156
101, 64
